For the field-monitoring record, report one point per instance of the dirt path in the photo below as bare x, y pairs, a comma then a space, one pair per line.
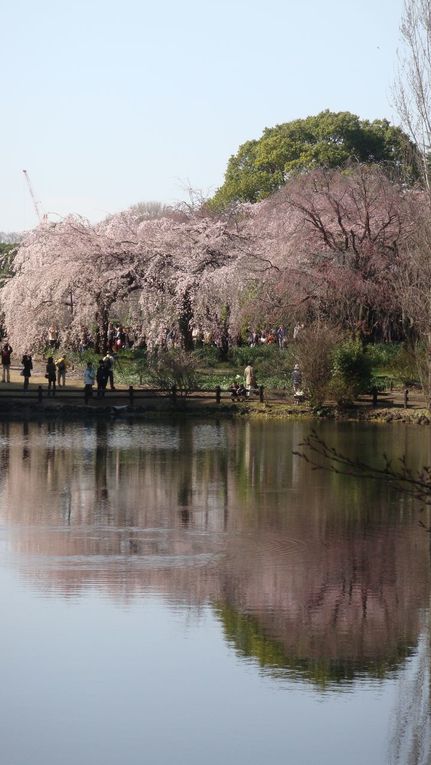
390, 405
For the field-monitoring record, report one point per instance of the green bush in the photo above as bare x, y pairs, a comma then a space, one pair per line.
241, 355
382, 354
351, 371
380, 383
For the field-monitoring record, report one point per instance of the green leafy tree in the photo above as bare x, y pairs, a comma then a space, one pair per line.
328, 139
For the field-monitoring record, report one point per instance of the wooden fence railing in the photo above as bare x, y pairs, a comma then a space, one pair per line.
131, 395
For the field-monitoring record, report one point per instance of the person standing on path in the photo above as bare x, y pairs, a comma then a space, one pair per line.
53, 335
6, 354
89, 378
61, 365
27, 366
51, 375
108, 361
249, 378
102, 379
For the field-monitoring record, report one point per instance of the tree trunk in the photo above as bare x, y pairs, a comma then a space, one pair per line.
429, 371
185, 322
102, 320
224, 336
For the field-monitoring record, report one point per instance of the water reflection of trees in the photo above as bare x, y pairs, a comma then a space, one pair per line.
309, 573
250, 640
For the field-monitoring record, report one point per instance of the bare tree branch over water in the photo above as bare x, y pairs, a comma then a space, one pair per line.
413, 483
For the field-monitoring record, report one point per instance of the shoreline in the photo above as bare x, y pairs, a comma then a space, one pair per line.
140, 403
50, 409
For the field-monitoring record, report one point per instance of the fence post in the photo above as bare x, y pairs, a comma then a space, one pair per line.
374, 391
406, 398
39, 394
218, 393
131, 394
261, 394
174, 392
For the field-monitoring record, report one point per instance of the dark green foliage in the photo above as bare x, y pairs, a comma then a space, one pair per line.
273, 366
328, 139
398, 361
207, 355
351, 371
380, 383
248, 637
242, 355
383, 354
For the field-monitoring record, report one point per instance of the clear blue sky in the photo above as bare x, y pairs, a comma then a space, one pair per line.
110, 103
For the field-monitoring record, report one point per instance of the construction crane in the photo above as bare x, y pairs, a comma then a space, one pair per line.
42, 217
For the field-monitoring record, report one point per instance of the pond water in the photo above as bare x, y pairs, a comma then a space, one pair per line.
191, 592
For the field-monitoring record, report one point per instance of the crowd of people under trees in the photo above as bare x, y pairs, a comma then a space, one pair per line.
120, 338
56, 370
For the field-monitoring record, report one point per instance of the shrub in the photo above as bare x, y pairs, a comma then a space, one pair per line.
380, 383
314, 354
174, 367
351, 372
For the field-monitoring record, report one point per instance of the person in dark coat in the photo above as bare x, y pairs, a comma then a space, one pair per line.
51, 375
27, 366
109, 365
6, 353
101, 379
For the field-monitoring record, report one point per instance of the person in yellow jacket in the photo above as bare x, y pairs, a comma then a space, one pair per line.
61, 365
